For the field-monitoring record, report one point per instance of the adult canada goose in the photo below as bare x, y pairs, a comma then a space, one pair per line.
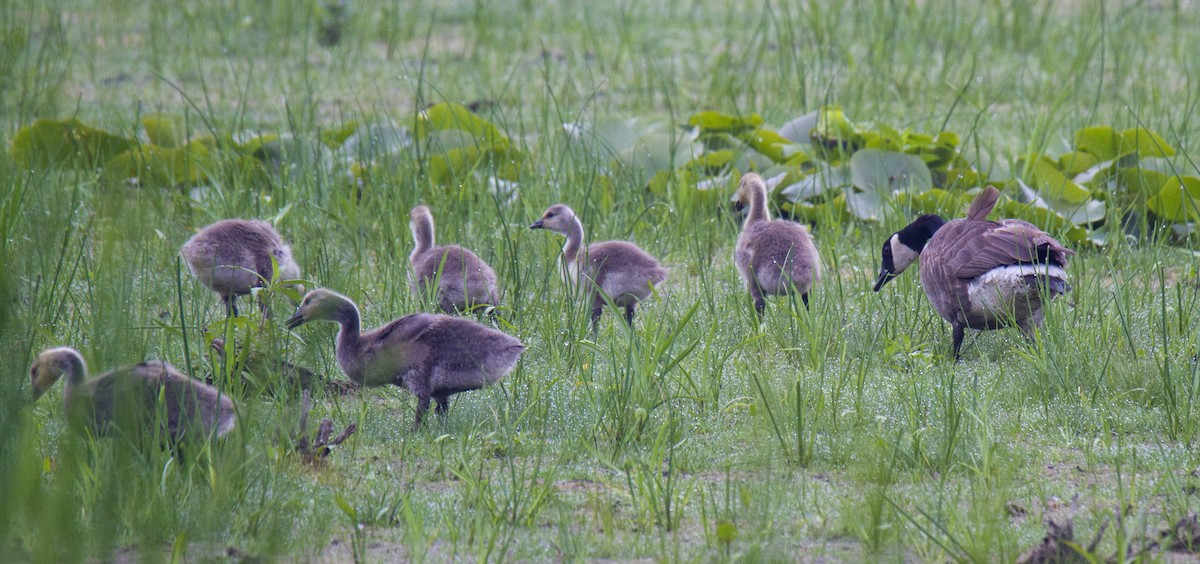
617, 269
462, 279
137, 395
980, 274
774, 256
433, 356
233, 256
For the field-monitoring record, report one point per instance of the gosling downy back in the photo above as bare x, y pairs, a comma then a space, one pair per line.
129, 397
460, 279
433, 356
774, 257
233, 256
980, 274
620, 270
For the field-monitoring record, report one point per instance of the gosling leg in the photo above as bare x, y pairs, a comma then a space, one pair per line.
629, 310
596, 311
804, 298
422, 407
443, 406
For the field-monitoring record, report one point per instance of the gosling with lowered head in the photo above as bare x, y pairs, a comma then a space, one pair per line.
459, 278
432, 356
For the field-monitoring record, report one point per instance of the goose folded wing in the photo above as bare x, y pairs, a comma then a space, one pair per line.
1012, 242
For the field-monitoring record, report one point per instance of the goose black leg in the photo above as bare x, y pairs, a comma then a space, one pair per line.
960, 331
804, 298
443, 406
629, 315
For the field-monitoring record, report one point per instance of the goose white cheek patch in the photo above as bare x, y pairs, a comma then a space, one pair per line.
902, 255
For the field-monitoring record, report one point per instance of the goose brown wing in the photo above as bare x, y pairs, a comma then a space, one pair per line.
1005, 243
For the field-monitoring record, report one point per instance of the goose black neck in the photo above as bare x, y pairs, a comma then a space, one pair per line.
920, 231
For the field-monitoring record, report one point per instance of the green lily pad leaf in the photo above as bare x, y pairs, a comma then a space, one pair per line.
824, 180
719, 122
287, 152
48, 143
1143, 181
446, 115
1178, 201
884, 172
1104, 171
652, 153
800, 130
151, 166
1075, 162
1054, 185
1085, 211
1101, 141
164, 130
374, 140
864, 205
771, 144
335, 138
1145, 143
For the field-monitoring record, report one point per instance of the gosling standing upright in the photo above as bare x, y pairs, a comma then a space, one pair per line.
980, 274
233, 256
617, 269
775, 257
431, 355
131, 396
460, 279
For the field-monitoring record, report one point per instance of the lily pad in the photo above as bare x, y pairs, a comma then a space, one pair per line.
719, 122
1178, 201
49, 143
884, 172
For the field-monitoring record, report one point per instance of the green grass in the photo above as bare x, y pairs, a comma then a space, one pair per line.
844, 432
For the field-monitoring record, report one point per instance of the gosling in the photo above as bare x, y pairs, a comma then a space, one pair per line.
775, 257
432, 356
459, 279
233, 256
619, 270
980, 274
189, 409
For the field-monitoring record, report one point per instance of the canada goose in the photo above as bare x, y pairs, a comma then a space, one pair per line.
774, 256
234, 255
431, 355
463, 279
977, 273
190, 408
617, 269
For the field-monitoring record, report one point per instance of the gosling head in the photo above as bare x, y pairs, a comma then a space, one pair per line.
904, 246
51, 364
558, 218
318, 305
751, 184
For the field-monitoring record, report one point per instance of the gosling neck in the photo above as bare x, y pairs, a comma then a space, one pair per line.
422, 231
349, 337
758, 206
574, 235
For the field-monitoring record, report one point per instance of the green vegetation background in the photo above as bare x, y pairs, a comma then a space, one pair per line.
843, 432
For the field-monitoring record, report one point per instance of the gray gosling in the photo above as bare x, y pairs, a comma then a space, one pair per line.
617, 269
461, 280
432, 356
233, 256
980, 274
131, 395
774, 257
